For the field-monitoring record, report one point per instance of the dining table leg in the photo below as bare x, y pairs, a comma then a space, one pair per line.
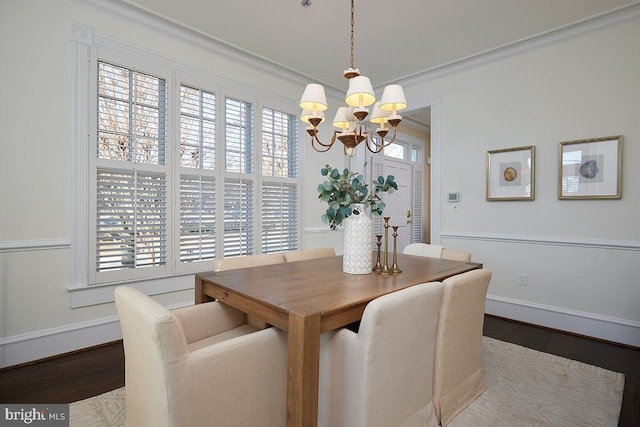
303, 349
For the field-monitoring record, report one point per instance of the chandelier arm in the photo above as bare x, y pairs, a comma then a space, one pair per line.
379, 147
327, 147
319, 150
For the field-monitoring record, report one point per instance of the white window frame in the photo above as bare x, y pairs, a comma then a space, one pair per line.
88, 49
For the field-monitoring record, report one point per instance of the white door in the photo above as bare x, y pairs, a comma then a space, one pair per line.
399, 204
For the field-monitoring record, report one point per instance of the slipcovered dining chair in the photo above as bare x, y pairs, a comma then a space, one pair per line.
457, 378
247, 261
382, 375
436, 251
303, 254
199, 366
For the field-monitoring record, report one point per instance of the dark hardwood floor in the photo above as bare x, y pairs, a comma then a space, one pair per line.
76, 376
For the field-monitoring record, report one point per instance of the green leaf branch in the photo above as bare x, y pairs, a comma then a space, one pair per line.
342, 191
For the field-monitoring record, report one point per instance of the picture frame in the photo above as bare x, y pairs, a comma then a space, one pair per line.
590, 168
511, 174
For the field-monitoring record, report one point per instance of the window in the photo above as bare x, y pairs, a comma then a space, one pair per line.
395, 150
279, 183
197, 175
179, 177
131, 203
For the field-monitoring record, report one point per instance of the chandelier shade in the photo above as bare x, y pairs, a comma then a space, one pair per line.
379, 116
349, 120
360, 93
343, 118
393, 99
313, 98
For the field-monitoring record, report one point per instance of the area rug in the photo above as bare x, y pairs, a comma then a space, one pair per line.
524, 388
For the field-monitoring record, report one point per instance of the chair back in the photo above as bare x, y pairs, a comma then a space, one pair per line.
303, 254
423, 249
457, 373
384, 375
247, 261
152, 338
455, 255
436, 251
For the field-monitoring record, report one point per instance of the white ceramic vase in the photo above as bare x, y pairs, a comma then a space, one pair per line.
358, 243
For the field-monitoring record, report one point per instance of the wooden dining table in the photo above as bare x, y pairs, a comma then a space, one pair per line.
307, 298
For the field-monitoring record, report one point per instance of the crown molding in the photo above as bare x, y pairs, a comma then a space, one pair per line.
124, 9
612, 18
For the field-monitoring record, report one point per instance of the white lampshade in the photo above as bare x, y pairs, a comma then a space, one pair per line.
306, 114
313, 98
360, 93
379, 116
343, 118
393, 99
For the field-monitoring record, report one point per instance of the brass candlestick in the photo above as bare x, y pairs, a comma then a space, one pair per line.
395, 267
385, 267
378, 266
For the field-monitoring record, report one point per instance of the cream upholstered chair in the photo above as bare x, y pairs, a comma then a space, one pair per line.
247, 261
199, 366
457, 378
382, 375
436, 251
455, 255
302, 254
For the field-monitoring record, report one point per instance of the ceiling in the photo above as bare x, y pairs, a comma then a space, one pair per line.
393, 39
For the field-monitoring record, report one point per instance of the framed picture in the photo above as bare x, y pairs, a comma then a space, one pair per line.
511, 174
590, 168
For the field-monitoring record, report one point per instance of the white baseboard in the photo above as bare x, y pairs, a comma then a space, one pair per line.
588, 324
39, 345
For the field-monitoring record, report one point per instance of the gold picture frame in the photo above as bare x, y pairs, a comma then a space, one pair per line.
590, 168
511, 174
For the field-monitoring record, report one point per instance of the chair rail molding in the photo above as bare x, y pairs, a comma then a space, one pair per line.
34, 245
629, 245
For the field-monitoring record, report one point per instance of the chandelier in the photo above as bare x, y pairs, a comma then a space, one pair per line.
349, 120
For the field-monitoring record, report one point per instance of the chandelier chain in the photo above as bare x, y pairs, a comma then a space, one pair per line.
352, 25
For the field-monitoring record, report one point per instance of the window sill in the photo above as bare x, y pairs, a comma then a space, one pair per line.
101, 294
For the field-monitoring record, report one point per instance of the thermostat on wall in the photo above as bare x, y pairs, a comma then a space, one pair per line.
453, 197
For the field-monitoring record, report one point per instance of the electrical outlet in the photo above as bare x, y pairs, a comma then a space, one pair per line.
523, 279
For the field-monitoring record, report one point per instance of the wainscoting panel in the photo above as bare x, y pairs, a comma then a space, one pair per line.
585, 286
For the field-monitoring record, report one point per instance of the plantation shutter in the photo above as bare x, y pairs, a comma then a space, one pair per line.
280, 213
238, 136
238, 217
197, 218
279, 217
131, 219
416, 213
197, 177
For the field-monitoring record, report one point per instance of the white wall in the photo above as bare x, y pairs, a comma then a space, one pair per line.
580, 255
